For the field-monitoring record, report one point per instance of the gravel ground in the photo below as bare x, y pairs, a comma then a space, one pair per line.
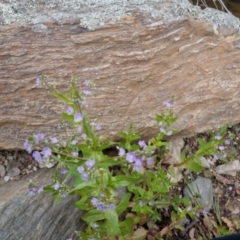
15, 164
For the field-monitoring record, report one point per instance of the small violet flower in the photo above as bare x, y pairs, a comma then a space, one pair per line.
142, 144
53, 140
73, 142
63, 171
40, 189
169, 133
78, 117
79, 129
150, 161
46, 152
221, 148
69, 110
39, 137
168, 103
84, 176
74, 153
90, 163
227, 142
38, 81
121, 152
218, 137
80, 169
27, 146
31, 192
37, 156
98, 127
130, 157
56, 186
87, 91
87, 83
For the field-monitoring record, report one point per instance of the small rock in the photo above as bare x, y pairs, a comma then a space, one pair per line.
229, 168
10, 157
5, 162
201, 187
17, 178
13, 172
205, 162
34, 169
21, 160
6, 178
2, 171
29, 166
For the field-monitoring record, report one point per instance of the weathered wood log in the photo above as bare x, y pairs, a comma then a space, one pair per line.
139, 53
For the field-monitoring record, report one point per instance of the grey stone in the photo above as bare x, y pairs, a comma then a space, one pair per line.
201, 187
229, 168
2, 171
13, 172
23, 217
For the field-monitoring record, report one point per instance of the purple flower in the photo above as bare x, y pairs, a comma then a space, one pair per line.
73, 142
83, 103
150, 161
74, 153
63, 194
80, 169
56, 186
150, 203
168, 103
121, 152
78, 117
216, 157
221, 148
218, 137
79, 129
63, 171
38, 137
141, 203
130, 157
138, 167
38, 81
227, 141
53, 139
31, 192
169, 133
84, 136
142, 144
37, 156
98, 127
87, 83
87, 91
27, 146
70, 111
46, 152
90, 163
94, 225
84, 176
40, 189
94, 201
162, 129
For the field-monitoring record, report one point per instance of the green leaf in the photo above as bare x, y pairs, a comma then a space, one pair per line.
123, 205
81, 204
193, 166
62, 97
113, 224
93, 216
83, 185
122, 181
126, 226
